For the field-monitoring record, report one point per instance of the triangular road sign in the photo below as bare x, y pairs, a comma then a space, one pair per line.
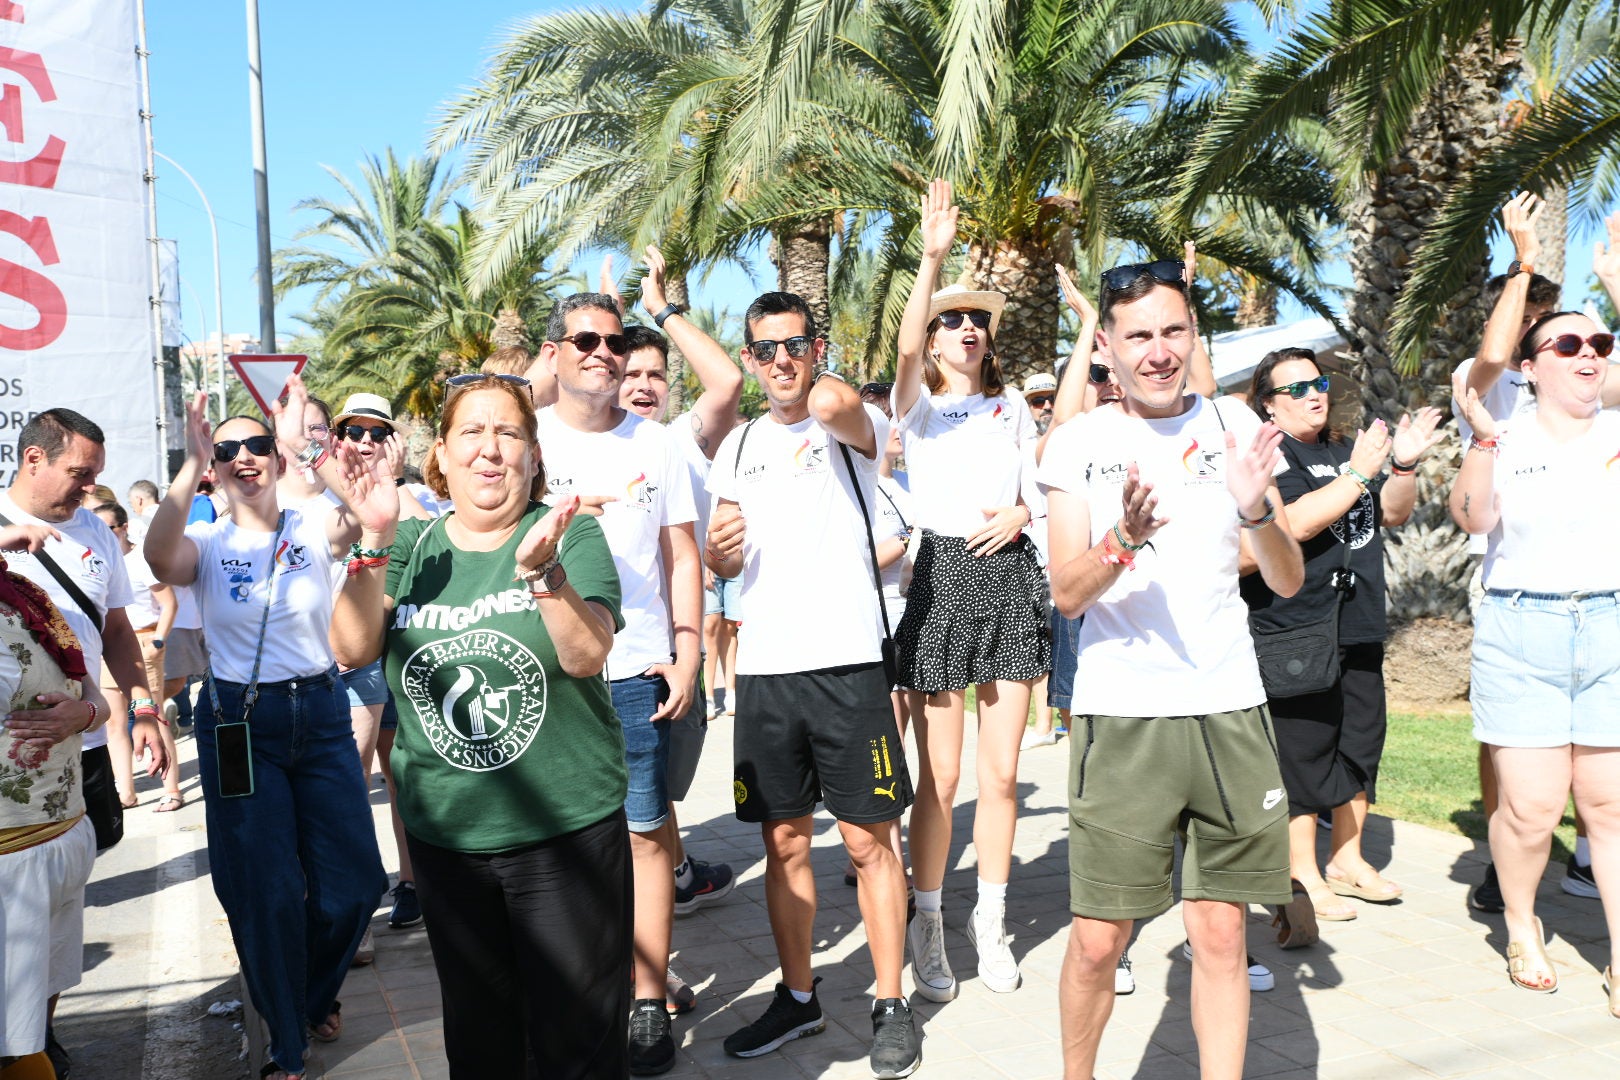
265, 374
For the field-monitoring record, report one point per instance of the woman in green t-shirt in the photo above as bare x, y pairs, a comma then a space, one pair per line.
495, 622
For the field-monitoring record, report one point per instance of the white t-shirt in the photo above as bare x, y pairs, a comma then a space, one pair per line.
143, 609
636, 463
320, 506
697, 469
1560, 509
93, 559
1171, 637
808, 598
966, 454
894, 518
233, 565
139, 523
1508, 396
186, 615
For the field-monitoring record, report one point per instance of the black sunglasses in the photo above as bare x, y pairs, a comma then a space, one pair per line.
1297, 390
357, 432
1121, 277
1570, 344
1099, 373
475, 377
1041, 401
258, 445
950, 320
586, 341
877, 389
764, 349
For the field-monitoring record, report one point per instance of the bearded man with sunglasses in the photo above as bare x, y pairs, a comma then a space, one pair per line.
1152, 505
628, 472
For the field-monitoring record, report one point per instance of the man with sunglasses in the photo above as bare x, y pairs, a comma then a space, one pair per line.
628, 472
814, 721
1153, 504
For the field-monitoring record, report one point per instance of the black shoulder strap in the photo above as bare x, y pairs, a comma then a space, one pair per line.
871, 544
904, 524
66, 582
742, 440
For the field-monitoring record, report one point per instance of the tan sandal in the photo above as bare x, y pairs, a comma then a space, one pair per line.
1521, 957
1327, 906
1374, 889
1612, 988
329, 1031
1296, 921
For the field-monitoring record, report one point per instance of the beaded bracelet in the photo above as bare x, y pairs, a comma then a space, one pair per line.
1356, 474
1488, 445
1262, 521
90, 723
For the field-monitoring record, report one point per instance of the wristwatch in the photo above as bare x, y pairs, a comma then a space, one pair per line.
1516, 266
660, 318
157, 643
553, 578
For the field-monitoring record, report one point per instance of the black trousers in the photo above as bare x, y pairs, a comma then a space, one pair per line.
533, 950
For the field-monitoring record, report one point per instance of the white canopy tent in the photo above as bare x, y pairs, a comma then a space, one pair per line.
1236, 353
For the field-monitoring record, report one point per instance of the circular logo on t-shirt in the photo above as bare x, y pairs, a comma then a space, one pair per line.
1361, 520
481, 696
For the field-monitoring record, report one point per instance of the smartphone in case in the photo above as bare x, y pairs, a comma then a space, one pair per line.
233, 749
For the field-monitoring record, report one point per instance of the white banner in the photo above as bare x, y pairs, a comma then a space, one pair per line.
75, 327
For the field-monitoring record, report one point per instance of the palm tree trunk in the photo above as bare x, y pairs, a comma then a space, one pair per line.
1027, 340
1428, 567
1552, 229
802, 253
1257, 306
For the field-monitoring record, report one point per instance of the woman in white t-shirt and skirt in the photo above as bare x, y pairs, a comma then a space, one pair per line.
290, 838
976, 610
1545, 488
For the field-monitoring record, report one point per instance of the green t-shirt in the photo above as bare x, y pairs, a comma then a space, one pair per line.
497, 747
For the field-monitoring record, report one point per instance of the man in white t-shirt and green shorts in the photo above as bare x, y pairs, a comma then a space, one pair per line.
1154, 504
814, 722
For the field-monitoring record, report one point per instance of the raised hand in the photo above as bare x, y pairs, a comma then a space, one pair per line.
653, 297
939, 216
288, 419
1606, 259
199, 432
1249, 474
1519, 217
1371, 449
368, 486
539, 544
1189, 262
1139, 520
1473, 410
1416, 435
1077, 301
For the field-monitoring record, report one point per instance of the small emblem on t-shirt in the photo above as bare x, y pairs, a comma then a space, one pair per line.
480, 695
92, 566
1203, 464
1611, 462
559, 483
1361, 520
955, 416
639, 493
291, 557
239, 576
809, 458
739, 791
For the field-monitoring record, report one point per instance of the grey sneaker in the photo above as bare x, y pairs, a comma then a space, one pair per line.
1124, 980
366, 953
998, 968
784, 1020
895, 1049
1578, 881
930, 970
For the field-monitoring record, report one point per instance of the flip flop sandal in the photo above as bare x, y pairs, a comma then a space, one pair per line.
129, 802
1381, 892
1296, 921
169, 804
334, 1024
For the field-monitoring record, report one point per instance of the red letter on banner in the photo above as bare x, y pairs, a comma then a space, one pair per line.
40, 170
32, 287
11, 12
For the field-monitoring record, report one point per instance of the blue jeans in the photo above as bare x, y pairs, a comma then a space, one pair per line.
1065, 655
295, 865
646, 749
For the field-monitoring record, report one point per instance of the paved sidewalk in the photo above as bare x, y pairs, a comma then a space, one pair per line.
1413, 989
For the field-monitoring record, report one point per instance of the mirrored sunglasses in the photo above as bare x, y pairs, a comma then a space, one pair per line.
1120, 277
1297, 390
764, 350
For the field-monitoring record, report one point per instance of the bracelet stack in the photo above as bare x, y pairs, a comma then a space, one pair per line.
1118, 551
1269, 516
1356, 475
361, 558
314, 455
1401, 468
145, 709
90, 723
1490, 446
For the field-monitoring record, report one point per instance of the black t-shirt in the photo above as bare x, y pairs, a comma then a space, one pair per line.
1312, 466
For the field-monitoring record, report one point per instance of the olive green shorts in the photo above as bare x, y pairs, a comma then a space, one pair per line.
1136, 783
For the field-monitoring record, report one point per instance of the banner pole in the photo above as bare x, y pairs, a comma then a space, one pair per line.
261, 183
154, 298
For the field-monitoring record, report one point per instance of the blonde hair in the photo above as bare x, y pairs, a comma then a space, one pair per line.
433, 476
510, 360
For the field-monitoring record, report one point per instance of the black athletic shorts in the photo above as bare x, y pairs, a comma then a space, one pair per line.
818, 736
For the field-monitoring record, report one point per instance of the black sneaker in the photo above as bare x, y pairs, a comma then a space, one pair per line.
1487, 895
784, 1021
1578, 881
710, 882
895, 1049
60, 1061
407, 910
652, 1047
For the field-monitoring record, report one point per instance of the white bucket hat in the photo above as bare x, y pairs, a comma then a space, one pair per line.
367, 407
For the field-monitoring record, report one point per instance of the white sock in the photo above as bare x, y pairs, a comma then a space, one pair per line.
992, 893
683, 874
802, 996
930, 899
1583, 851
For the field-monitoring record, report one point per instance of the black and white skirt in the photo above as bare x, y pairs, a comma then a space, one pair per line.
973, 620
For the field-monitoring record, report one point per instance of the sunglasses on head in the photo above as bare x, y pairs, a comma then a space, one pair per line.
1570, 344
1099, 373
1297, 390
258, 445
877, 389
952, 320
471, 377
356, 432
764, 350
586, 341
1121, 277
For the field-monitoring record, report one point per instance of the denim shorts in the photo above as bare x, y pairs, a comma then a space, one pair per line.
365, 685
646, 749
1065, 656
1546, 669
724, 599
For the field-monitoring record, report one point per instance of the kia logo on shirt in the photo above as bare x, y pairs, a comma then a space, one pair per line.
955, 417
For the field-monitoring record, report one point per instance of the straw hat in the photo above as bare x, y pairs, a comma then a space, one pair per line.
1040, 383
367, 407
961, 298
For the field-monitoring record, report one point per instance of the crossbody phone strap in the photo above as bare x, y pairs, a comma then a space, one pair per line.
252, 696
66, 582
871, 544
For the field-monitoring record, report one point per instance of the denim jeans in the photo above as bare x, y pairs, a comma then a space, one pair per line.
646, 749
295, 865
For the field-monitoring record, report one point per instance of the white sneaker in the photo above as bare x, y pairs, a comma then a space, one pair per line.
1260, 977
1124, 981
987, 930
1033, 738
930, 970
366, 953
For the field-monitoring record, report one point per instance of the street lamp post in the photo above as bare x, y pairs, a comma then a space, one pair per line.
219, 287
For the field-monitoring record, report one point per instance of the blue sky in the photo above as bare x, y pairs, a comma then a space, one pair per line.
343, 78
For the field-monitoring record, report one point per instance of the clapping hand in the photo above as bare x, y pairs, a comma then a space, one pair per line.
1416, 435
1139, 521
539, 544
199, 432
1077, 300
1248, 475
1473, 410
1371, 449
1519, 217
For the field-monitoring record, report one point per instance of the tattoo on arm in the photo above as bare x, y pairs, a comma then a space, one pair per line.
1467, 499
698, 437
